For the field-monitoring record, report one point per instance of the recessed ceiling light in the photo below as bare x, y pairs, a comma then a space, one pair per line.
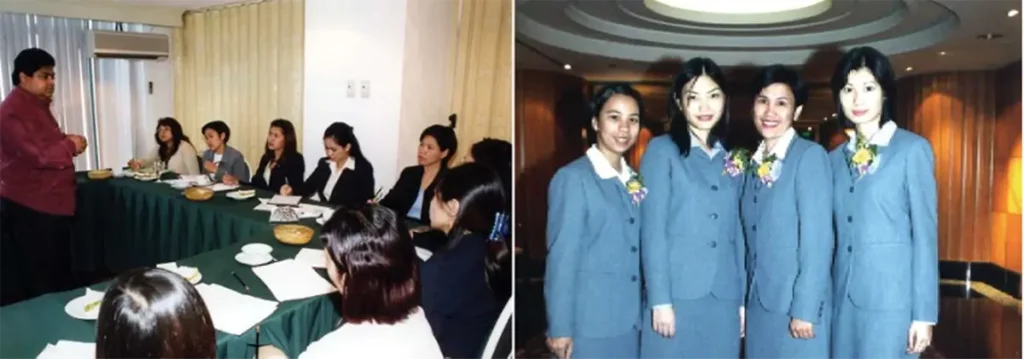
567, 67
909, 68
834, 115
990, 36
1012, 13
942, 53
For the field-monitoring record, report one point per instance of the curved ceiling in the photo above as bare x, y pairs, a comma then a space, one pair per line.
612, 38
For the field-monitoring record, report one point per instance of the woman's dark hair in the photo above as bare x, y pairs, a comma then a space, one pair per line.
879, 66
445, 137
601, 98
778, 74
343, 135
372, 249
154, 313
679, 130
496, 154
291, 145
177, 136
29, 61
481, 197
220, 128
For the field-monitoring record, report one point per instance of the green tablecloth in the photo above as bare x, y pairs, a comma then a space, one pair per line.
125, 223
26, 327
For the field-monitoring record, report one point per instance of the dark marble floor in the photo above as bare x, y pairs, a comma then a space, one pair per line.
970, 324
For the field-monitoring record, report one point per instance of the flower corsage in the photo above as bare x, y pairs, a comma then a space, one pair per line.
769, 169
736, 163
635, 188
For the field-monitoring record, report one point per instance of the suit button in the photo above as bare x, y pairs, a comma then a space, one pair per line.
714, 216
713, 244
714, 188
631, 220
851, 189
634, 278
755, 199
849, 219
754, 228
633, 249
849, 249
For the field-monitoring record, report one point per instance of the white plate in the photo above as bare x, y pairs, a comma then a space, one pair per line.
181, 185
257, 248
76, 309
253, 259
195, 280
146, 179
236, 196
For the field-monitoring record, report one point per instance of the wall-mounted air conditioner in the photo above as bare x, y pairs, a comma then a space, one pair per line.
129, 45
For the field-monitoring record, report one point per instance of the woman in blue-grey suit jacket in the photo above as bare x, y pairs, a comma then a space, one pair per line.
886, 267
788, 227
692, 252
592, 282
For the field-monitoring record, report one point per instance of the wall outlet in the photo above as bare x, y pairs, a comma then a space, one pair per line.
365, 88
350, 90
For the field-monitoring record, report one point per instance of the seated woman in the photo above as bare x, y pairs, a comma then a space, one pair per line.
411, 195
372, 262
281, 164
170, 152
154, 313
461, 293
344, 177
221, 159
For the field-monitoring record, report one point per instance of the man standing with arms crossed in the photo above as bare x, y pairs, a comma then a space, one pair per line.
37, 184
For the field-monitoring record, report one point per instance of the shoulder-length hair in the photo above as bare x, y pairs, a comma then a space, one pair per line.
291, 145
602, 96
679, 129
878, 64
177, 136
481, 197
154, 313
370, 246
446, 139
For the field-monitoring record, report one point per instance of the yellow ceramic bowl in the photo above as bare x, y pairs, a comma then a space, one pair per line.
294, 234
100, 174
198, 193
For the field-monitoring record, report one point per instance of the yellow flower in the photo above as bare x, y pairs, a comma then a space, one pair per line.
764, 169
739, 164
863, 155
633, 186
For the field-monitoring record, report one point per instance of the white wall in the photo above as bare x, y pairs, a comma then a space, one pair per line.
367, 41
427, 76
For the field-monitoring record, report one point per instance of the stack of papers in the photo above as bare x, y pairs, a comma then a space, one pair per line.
233, 312
289, 280
304, 210
311, 257
220, 187
66, 349
280, 200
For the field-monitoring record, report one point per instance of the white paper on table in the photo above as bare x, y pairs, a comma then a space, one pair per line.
220, 187
311, 208
233, 312
183, 271
285, 200
311, 257
288, 280
264, 206
66, 349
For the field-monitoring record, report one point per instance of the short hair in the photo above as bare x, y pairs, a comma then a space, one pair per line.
445, 137
878, 64
154, 313
29, 61
371, 247
679, 130
220, 128
778, 74
601, 98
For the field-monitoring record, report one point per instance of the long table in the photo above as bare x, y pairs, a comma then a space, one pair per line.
28, 326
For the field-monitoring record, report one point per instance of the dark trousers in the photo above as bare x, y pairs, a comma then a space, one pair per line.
35, 252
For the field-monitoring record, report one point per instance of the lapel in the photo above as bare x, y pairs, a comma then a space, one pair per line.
615, 193
766, 195
884, 157
714, 176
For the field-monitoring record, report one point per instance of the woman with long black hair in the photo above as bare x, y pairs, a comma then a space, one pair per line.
281, 164
344, 177
170, 152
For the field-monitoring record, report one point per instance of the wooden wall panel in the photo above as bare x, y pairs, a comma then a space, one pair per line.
972, 120
549, 107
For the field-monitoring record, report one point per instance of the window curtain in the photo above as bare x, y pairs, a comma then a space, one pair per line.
482, 95
102, 99
241, 64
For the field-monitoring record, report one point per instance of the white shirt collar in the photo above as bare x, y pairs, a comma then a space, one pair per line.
695, 142
349, 164
780, 149
880, 138
604, 169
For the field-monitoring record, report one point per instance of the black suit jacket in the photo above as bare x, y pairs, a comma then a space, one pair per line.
402, 196
289, 170
353, 188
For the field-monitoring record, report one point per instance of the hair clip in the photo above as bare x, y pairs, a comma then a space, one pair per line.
501, 228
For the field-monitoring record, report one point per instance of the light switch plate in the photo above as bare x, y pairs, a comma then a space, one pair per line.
350, 90
365, 88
